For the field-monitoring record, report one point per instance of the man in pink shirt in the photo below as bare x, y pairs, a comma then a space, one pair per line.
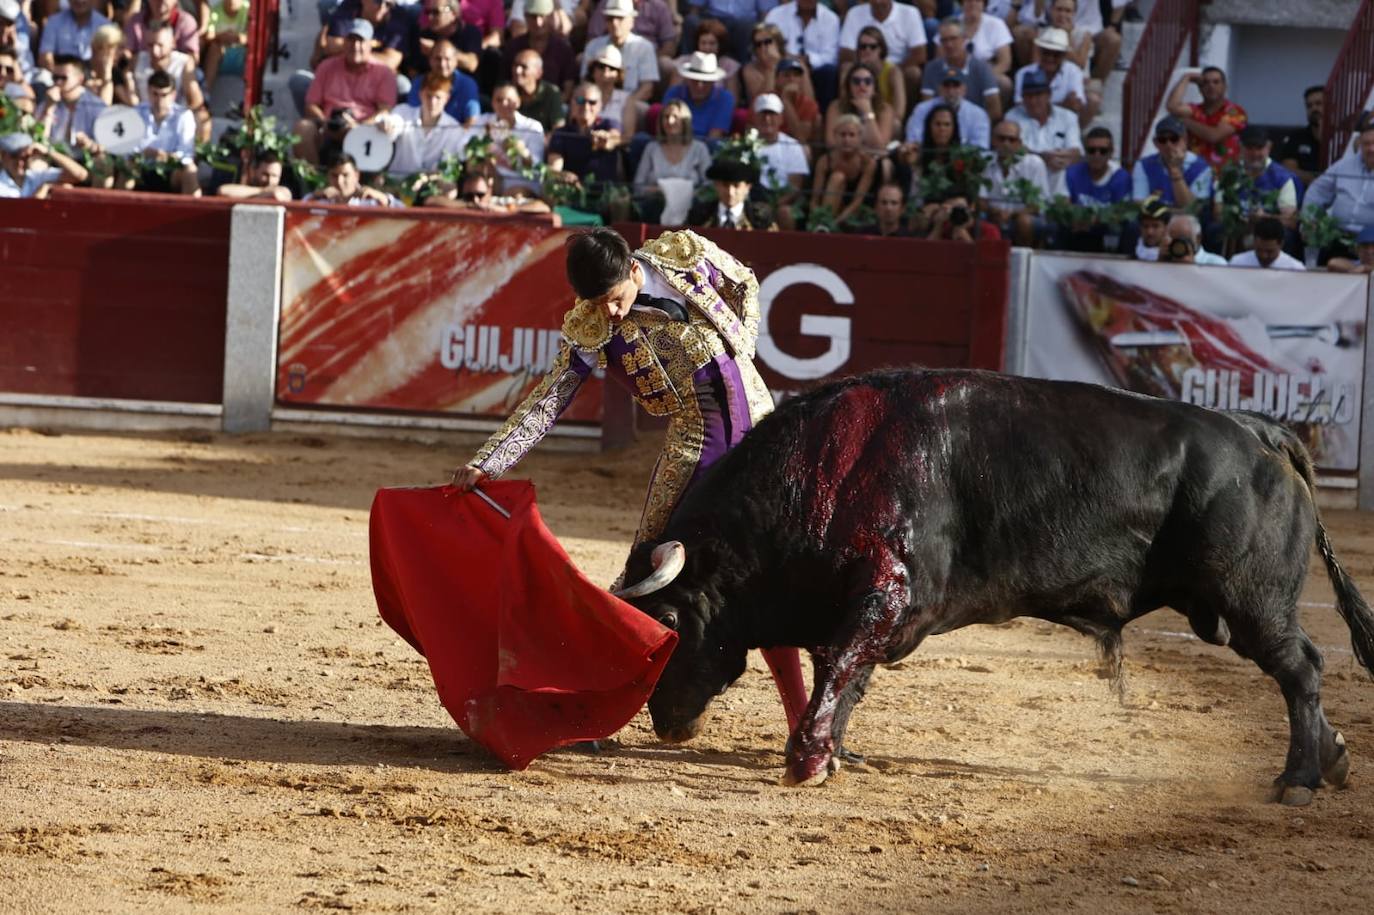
487, 15
138, 35
349, 89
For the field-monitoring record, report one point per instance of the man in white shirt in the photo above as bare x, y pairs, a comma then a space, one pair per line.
1268, 251
1047, 130
1064, 76
638, 55
19, 177
1002, 206
785, 163
169, 136
903, 28
424, 133
813, 30
974, 126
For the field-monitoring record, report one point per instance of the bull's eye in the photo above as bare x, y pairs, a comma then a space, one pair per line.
669, 619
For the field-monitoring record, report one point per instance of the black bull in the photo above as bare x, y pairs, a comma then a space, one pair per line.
870, 513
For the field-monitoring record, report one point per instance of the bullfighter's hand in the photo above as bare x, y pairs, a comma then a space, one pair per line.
465, 478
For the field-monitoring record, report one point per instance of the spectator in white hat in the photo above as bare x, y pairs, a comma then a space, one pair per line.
607, 71
786, 164
654, 21
739, 16
1065, 78
21, 175
1086, 19
638, 55
713, 106
712, 38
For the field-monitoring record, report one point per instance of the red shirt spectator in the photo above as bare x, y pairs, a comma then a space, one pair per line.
184, 28
364, 90
1215, 124
487, 15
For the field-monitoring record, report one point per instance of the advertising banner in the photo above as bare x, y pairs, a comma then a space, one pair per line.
421, 314
1288, 344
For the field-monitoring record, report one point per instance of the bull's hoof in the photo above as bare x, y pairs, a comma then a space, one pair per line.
1337, 772
1294, 795
809, 770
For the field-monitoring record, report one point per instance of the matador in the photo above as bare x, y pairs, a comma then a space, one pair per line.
676, 323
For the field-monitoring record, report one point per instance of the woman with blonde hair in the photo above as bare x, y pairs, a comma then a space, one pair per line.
872, 50
859, 97
760, 74
676, 155
844, 175
108, 70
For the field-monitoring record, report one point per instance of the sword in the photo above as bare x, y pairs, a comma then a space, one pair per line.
492, 502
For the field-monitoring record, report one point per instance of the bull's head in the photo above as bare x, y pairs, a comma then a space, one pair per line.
705, 660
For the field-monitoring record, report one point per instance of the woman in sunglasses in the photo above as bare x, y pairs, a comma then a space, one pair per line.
859, 97
760, 74
872, 50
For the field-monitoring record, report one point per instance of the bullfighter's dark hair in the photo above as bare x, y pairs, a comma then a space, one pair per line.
1269, 229
598, 259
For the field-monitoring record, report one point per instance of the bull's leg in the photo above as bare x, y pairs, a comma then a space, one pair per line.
866, 638
848, 699
1315, 751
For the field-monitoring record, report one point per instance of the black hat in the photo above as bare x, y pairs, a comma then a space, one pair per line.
790, 64
1254, 136
732, 170
1153, 207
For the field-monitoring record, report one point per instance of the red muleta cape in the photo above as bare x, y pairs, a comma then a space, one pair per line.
527, 654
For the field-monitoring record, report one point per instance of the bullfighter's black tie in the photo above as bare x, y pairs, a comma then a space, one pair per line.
674, 309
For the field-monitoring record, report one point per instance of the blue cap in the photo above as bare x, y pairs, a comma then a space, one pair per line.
14, 143
1170, 126
954, 75
361, 28
1034, 81
1366, 236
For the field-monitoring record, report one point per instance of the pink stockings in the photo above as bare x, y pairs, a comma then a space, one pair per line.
785, 663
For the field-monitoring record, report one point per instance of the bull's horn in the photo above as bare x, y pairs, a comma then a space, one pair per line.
668, 559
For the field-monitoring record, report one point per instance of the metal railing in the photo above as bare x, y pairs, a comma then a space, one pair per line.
1171, 23
1349, 85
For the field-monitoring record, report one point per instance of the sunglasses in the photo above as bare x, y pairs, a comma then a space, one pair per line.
8, 71
1005, 138
861, 81
1167, 138
604, 66
762, 42
869, 46
583, 100
1098, 150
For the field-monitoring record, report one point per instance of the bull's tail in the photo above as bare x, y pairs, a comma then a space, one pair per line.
1349, 602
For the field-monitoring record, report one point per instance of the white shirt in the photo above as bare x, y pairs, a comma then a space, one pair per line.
177, 69
975, 129
639, 56
34, 179
1068, 81
992, 35
781, 160
1145, 253
418, 148
176, 134
657, 286
734, 215
1029, 167
903, 28
1284, 261
819, 39
1060, 131
526, 128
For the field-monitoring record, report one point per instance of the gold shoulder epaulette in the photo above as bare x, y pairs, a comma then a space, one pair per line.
681, 249
587, 326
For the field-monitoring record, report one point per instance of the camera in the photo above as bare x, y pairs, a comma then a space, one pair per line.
1178, 249
958, 216
336, 122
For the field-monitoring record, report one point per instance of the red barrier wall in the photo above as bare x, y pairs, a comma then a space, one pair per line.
116, 295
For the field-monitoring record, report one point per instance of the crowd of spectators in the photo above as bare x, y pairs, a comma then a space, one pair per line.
935, 118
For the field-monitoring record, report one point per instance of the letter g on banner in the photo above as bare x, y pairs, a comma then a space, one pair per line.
830, 326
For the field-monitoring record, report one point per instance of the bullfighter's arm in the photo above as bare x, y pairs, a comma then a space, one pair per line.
739, 288
535, 416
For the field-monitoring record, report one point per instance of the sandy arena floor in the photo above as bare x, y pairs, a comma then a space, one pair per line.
199, 709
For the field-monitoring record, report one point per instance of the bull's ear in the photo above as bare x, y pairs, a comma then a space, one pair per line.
669, 619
